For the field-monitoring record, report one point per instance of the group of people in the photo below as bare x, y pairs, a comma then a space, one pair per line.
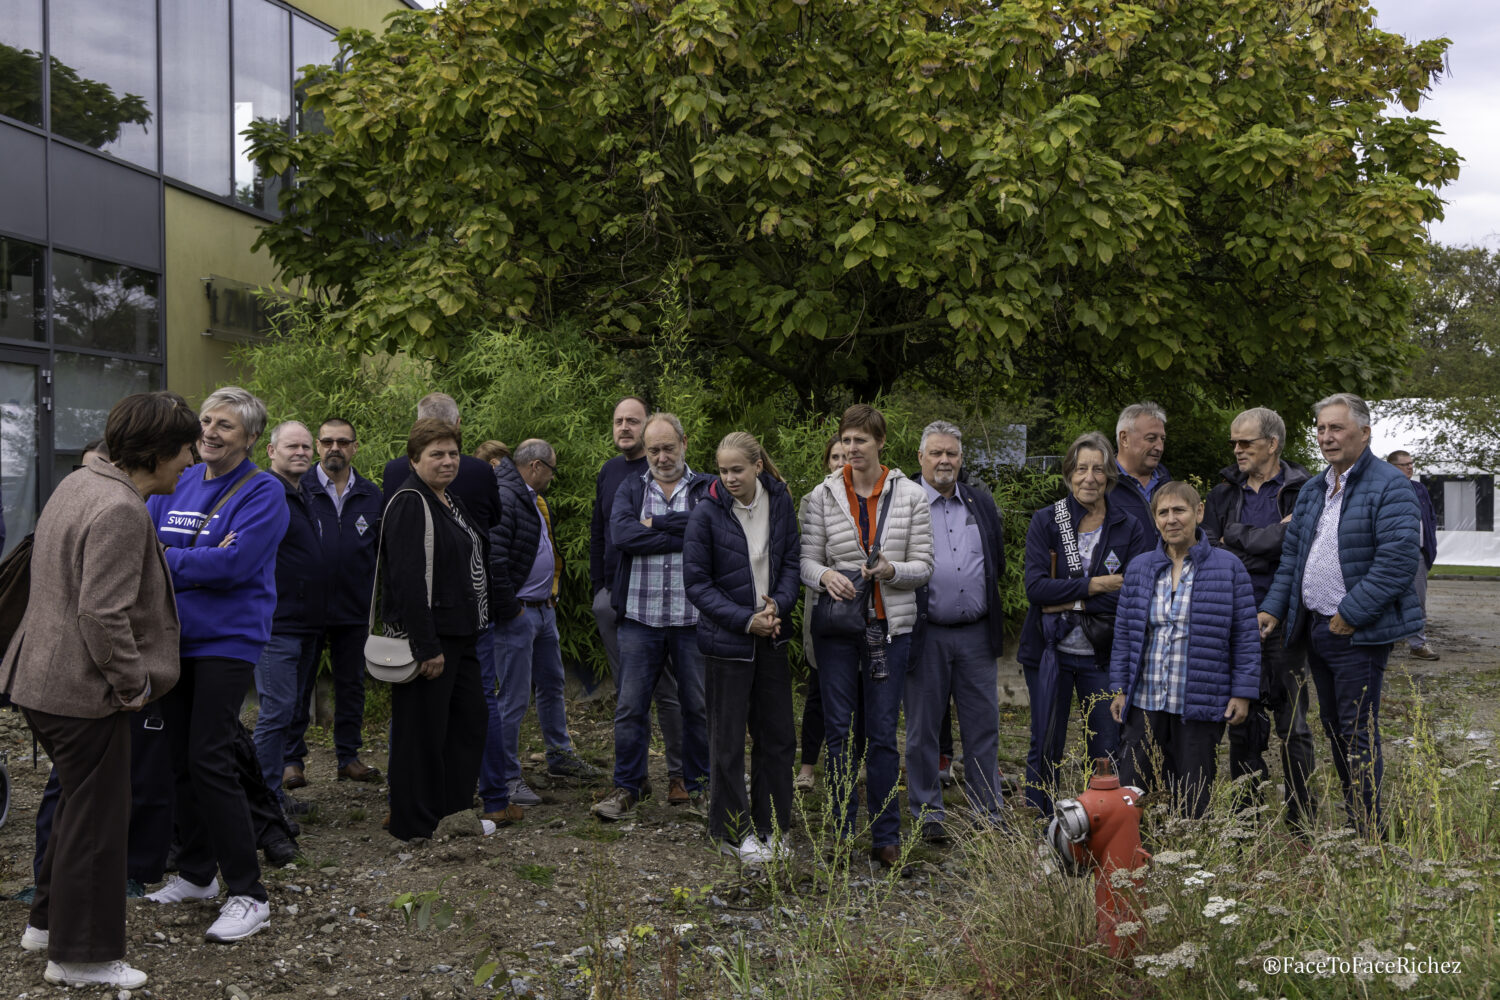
165, 590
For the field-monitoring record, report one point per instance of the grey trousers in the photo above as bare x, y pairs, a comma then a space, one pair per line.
1420, 586
955, 663
668, 710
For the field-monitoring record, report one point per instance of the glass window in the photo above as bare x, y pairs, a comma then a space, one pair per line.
195, 118
104, 75
107, 307
85, 387
311, 46
262, 91
18, 464
21, 60
22, 291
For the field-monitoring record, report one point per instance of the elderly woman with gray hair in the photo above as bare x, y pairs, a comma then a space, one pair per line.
1076, 553
221, 530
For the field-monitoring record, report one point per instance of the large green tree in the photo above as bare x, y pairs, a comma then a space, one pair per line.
1208, 194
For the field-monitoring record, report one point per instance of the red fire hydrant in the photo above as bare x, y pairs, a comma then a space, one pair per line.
1100, 831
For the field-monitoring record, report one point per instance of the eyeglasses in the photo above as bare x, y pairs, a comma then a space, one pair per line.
330, 442
1408, 464
550, 467
1243, 442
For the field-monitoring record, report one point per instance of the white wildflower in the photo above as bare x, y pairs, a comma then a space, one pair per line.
1217, 905
1183, 956
1174, 857
1278, 911
1230, 918
1157, 914
1267, 875
1408, 946
1126, 928
1403, 981
1247, 986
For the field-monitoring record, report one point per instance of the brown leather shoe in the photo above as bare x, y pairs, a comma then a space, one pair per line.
292, 777
505, 817
889, 856
357, 770
677, 793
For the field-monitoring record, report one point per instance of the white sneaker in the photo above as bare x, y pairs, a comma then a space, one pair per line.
750, 851
178, 888
34, 939
487, 826
239, 918
115, 973
776, 849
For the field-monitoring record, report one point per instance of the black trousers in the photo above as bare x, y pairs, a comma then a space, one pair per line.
346, 658
1284, 681
814, 733
202, 720
437, 741
755, 695
80, 888
1188, 752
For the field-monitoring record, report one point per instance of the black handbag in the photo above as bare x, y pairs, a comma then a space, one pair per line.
1098, 629
846, 619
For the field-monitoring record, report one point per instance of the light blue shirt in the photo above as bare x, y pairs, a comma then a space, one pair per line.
538, 585
956, 592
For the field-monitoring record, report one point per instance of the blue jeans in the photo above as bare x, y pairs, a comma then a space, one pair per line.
955, 663
281, 675
643, 653
1049, 723
514, 655
1348, 679
840, 663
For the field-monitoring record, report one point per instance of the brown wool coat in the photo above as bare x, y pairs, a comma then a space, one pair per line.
101, 618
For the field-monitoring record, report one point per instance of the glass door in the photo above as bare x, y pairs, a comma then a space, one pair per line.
25, 407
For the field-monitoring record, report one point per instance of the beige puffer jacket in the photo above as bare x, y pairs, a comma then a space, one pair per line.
830, 540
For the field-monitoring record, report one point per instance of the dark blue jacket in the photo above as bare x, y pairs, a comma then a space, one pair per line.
1126, 495
301, 569
1122, 538
349, 543
1377, 552
513, 542
474, 485
604, 558
992, 535
1429, 524
1223, 638
632, 538
716, 569
1258, 548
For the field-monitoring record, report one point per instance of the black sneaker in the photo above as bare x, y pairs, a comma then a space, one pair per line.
933, 832
574, 766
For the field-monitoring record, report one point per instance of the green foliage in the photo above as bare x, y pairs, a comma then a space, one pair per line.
87, 111
1071, 200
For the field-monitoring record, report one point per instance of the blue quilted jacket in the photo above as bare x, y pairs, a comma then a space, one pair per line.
1223, 639
1378, 553
716, 569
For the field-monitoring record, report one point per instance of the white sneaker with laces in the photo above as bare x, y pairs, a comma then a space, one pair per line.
776, 849
178, 888
34, 939
239, 918
749, 851
115, 973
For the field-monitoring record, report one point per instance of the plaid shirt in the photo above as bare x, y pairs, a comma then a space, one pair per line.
1163, 684
658, 597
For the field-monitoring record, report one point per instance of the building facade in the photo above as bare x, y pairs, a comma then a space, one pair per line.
128, 206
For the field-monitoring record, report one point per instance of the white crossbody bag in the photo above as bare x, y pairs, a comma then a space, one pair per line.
389, 658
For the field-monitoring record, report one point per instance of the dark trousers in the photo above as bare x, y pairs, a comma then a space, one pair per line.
813, 730
1188, 750
754, 694
80, 889
437, 739
202, 717
841, 662
150, 801
956, 664
346, 658
1284, 677
1349, 679
1049, 722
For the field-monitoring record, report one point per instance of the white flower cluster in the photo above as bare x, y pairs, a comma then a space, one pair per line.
1184, 956
1220, 907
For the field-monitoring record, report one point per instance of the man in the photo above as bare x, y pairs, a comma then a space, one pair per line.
1248, 514
475, 483
1140, 440
657, 623
286, 664
1344, 586
962, 636
604, 562
348, 507
525, 567
1403, 461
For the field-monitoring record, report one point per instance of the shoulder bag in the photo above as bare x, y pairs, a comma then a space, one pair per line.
1098, 629
846, 619
389, 658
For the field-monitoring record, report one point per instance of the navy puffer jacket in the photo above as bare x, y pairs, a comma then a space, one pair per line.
1378, 553
716, 569
514, 541
1223, 638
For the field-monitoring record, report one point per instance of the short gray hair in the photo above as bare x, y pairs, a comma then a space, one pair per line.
530, 450
667, 418
940, 427
1136, 411
243, 403
276, 431
1268, 424
1092, 441
1358, 408
438, 406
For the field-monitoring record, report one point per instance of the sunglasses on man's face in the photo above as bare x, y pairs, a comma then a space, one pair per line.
330, 442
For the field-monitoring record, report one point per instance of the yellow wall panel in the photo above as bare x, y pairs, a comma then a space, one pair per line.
369, 14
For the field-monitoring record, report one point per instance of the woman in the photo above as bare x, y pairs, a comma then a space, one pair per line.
1186, 655
812, 708
870, 523
98, 641
438, 720
221, 529
1076, 551
492, 452
740, 565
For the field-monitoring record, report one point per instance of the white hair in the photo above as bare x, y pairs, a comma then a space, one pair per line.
1358, 408
276, 431
243, 403
940, 427
1136, 411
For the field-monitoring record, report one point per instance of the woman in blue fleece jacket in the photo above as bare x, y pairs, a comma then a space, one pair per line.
221, 529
